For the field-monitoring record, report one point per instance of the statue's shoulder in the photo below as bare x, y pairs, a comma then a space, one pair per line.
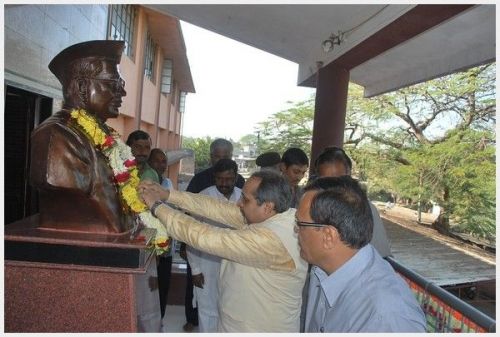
59, 128
59, 120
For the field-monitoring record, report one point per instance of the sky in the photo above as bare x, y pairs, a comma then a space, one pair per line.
236, 85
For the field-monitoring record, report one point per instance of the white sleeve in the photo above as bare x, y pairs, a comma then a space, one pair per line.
194, 259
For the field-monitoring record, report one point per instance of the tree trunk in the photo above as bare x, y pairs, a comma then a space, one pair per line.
442, 223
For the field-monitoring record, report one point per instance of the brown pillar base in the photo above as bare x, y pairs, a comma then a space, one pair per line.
82, 292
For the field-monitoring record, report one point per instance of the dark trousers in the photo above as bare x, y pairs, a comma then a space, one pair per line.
305, 297
191, 313
164, 269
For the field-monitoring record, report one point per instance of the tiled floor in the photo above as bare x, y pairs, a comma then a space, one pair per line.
174, 319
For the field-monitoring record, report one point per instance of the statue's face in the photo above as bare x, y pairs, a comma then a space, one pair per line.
105, 92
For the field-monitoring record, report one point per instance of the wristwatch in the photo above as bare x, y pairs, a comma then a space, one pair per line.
155, 206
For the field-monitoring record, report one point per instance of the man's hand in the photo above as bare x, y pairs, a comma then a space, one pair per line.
151, 192
182, 252
198, 280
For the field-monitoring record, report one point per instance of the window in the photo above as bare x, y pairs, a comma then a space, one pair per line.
182, 102
150, 59
166, 76
122, 25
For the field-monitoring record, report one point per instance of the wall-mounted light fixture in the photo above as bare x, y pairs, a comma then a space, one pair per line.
341, 36
333, 40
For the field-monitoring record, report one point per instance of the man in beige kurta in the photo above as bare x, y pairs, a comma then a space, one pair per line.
262, 273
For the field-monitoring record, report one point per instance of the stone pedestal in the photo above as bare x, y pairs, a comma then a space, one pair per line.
57, 281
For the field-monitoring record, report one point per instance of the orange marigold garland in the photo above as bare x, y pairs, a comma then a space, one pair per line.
125, 172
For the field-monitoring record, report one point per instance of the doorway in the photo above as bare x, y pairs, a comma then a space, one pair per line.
24, 110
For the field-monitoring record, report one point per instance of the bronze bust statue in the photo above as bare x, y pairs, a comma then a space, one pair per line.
75, 181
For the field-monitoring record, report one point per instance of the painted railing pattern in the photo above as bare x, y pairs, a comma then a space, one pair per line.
444, 311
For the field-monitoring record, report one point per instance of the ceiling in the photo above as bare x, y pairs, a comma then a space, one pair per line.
387, 46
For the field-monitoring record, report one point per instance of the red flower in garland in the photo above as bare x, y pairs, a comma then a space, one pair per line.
108, 141
122, 177
163, 244
129, 163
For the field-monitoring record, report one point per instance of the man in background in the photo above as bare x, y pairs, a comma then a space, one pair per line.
293, 166
140, 144
219, 149
159, 162
269, 160
334, 162
205, 267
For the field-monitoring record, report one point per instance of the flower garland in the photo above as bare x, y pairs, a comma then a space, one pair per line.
125, 172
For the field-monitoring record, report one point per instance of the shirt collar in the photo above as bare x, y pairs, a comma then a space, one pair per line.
232, 197
335, 283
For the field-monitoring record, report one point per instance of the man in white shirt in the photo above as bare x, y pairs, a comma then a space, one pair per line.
205, 267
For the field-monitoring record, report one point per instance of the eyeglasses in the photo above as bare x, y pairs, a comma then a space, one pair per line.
116, 82
308, 224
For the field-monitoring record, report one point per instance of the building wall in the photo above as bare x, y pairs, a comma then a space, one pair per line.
34, 34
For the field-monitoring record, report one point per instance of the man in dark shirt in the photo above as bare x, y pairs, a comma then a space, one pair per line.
219, 149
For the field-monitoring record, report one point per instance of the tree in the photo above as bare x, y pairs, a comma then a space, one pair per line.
431, 141
288, 128
440, 137
201, 148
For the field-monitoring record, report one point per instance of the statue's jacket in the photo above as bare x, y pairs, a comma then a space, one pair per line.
76, 183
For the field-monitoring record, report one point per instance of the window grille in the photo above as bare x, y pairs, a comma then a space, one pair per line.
122, 25
166, 76
150, 59
182, 102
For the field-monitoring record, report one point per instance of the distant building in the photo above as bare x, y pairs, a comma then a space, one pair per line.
245, 158
154, 66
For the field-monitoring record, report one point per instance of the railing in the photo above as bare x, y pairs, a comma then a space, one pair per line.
444, 312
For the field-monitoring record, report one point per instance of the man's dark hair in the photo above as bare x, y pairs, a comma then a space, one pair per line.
342, 203
220, 142
333, 154
294, 156
273, 188
156, 150
268, 159
137, 135
224, 165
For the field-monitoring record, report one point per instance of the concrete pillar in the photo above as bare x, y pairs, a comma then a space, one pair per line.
330, 109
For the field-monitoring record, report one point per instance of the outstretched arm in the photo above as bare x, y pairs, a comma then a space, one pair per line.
221, 211
253, 246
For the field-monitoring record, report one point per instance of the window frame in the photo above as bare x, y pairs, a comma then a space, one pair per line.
169, 76
150, 55
122, 21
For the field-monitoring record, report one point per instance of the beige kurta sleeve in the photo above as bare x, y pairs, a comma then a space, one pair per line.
253, 246
221, 211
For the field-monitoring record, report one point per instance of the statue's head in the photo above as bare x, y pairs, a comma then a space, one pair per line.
90, 78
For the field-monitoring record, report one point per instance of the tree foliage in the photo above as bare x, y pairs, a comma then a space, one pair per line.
439, 137
434, 141
201, 148
288, 128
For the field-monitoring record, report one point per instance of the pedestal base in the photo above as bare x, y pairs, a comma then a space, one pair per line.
74, 282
